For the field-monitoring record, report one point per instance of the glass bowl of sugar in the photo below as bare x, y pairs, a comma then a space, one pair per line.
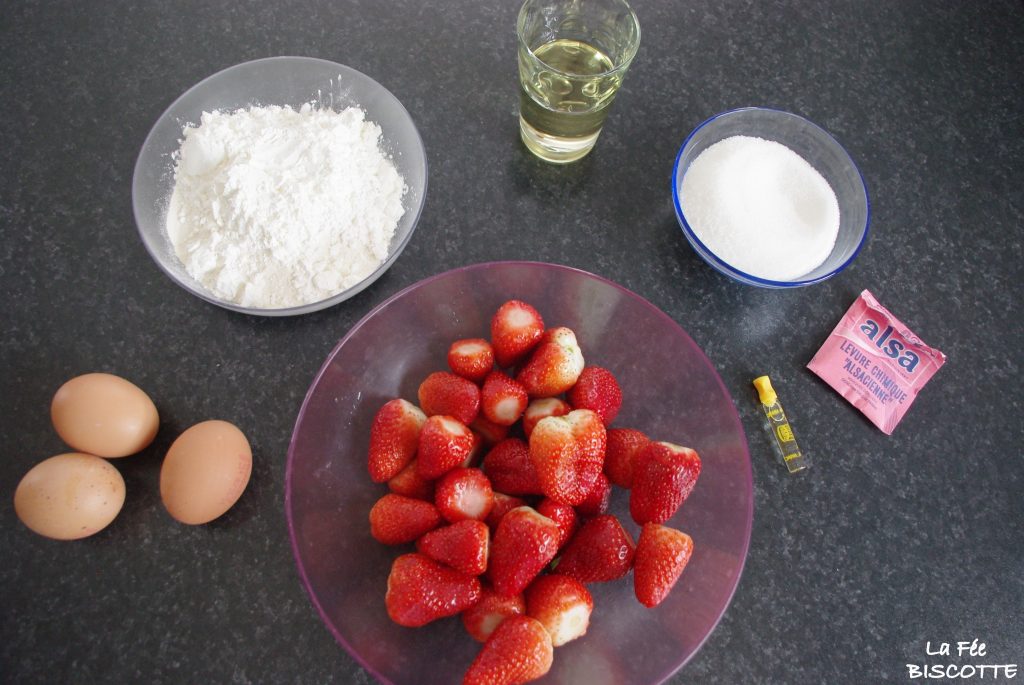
770, 199
280, 186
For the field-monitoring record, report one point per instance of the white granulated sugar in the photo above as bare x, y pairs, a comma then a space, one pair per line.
760, 207
275, 207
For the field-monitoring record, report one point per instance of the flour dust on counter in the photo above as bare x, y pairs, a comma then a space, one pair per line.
277, 207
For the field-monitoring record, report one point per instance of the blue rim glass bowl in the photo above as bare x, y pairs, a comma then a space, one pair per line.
281, 81
821, 151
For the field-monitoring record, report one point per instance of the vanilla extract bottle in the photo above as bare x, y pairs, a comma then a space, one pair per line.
782, 433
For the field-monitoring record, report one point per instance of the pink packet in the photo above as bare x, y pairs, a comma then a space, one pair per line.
876, 362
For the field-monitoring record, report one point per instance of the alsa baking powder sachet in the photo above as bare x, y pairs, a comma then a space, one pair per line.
876, 362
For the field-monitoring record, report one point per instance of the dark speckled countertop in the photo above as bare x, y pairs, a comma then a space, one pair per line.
887, 544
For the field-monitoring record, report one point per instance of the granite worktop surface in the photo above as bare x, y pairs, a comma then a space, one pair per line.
888, 547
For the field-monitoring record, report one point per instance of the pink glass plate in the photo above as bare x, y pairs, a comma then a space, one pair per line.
671, 392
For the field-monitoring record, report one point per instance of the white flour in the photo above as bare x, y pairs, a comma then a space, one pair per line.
760, 207
274, 207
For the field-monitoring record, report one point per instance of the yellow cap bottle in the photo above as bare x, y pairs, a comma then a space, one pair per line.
778, 425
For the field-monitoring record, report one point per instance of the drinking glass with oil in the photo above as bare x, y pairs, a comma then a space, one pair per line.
573, 55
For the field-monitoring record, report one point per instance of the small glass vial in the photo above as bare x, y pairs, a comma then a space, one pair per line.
778, 424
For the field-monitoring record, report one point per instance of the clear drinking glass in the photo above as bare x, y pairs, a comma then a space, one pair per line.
573, 55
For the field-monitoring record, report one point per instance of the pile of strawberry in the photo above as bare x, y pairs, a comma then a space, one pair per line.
512, 543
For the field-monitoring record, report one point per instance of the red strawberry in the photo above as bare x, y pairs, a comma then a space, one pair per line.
464, 494
600, 551
472, 358
597, 389
515, 329
483, 617
421, 590
554, 366
541, 409
661, 555
568, 454
475, 452
596, 501
395, 520
490, 432
394, 437
518, 651
623, 446
445, 443
463, 546
562, 605
663, 477
510, 468
502, 505
502, 400
446, 394
522, 546
409, 483
564, 517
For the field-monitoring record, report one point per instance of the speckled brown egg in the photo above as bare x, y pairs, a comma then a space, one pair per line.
69, 496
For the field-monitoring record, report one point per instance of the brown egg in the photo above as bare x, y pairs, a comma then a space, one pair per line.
205, 472
69, 496
105, 415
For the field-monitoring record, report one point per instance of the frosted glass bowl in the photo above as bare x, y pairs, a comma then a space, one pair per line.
281, 81
821, 151
671, 392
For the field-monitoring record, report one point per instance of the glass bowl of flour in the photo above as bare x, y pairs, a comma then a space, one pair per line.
770, 199
280, 186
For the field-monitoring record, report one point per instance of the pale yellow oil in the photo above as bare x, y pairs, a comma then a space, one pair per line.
565, 92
